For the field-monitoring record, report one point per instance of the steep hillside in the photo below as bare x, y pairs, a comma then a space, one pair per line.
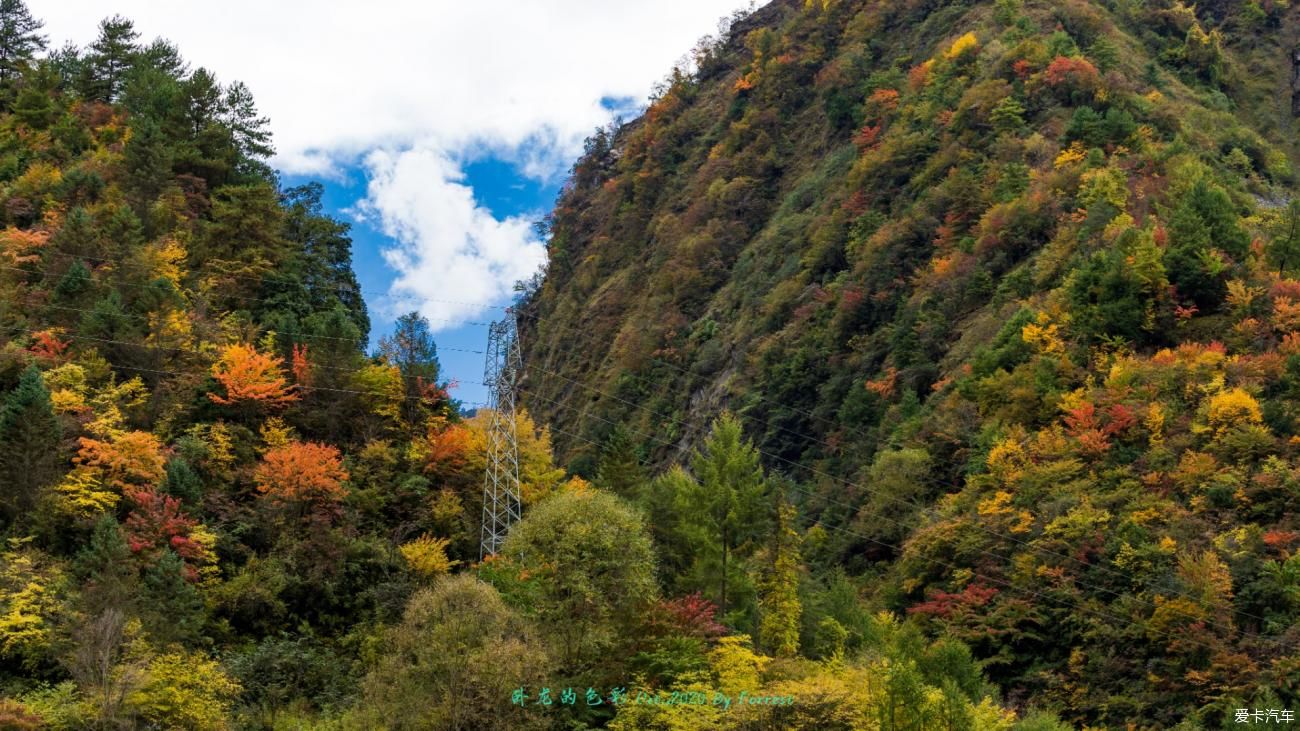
1007, 290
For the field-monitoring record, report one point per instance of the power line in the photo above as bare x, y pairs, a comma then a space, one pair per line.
910, 503
174, 372
263, 280
250, 298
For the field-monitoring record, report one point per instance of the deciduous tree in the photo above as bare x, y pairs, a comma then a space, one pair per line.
251, 377
462, 651
302, 476
597, 564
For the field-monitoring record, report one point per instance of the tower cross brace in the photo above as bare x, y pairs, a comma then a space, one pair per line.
501, 502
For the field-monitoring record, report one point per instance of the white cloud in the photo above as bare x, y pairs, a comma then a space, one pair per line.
341, 78
453, 256
409, 86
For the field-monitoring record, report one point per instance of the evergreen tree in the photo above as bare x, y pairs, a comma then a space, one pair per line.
203, 101
148, 162
325, 260
111, 56
29, 445
108, 568
68, 65
412, 349
727, 505
163, 56
251, 131
172, 608
1008, 115
35, 102
182, 482
1204, 219
75, 282
779, 608
619, 469
20, 39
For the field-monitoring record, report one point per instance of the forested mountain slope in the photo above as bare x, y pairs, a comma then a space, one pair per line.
1008, 291
212, 498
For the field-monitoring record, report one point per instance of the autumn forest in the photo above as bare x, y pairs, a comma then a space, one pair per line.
903, 366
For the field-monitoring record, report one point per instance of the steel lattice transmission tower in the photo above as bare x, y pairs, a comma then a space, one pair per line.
501, 506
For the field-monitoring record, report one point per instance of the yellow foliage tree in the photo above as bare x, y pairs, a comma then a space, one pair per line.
186, 691
427, 556
1044, 335
82, 494
538, 474
29, 603
132, 460
736, 665
962, 46
384, 391
1232, 408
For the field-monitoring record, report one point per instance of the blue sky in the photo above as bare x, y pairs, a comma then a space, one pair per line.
500, 187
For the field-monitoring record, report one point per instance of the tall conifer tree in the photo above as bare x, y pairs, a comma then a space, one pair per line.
29, 444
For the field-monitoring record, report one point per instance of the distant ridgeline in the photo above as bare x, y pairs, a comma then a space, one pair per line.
1008, 292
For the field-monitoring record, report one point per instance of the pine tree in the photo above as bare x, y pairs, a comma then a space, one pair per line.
778, 603
35, 100
75, 282
324, 262
19, 38
412, 349
29, 444
173, 608
68, 65
728, 501
619, 468
162, 55
148, 162
1204, 219
111, 57
203, 95
182, 482
108, 568
251, 130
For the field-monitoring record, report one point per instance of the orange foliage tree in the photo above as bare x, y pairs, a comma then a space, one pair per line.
302, 475
251, 377
302, 369
132, 460
47, 347
449, 447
